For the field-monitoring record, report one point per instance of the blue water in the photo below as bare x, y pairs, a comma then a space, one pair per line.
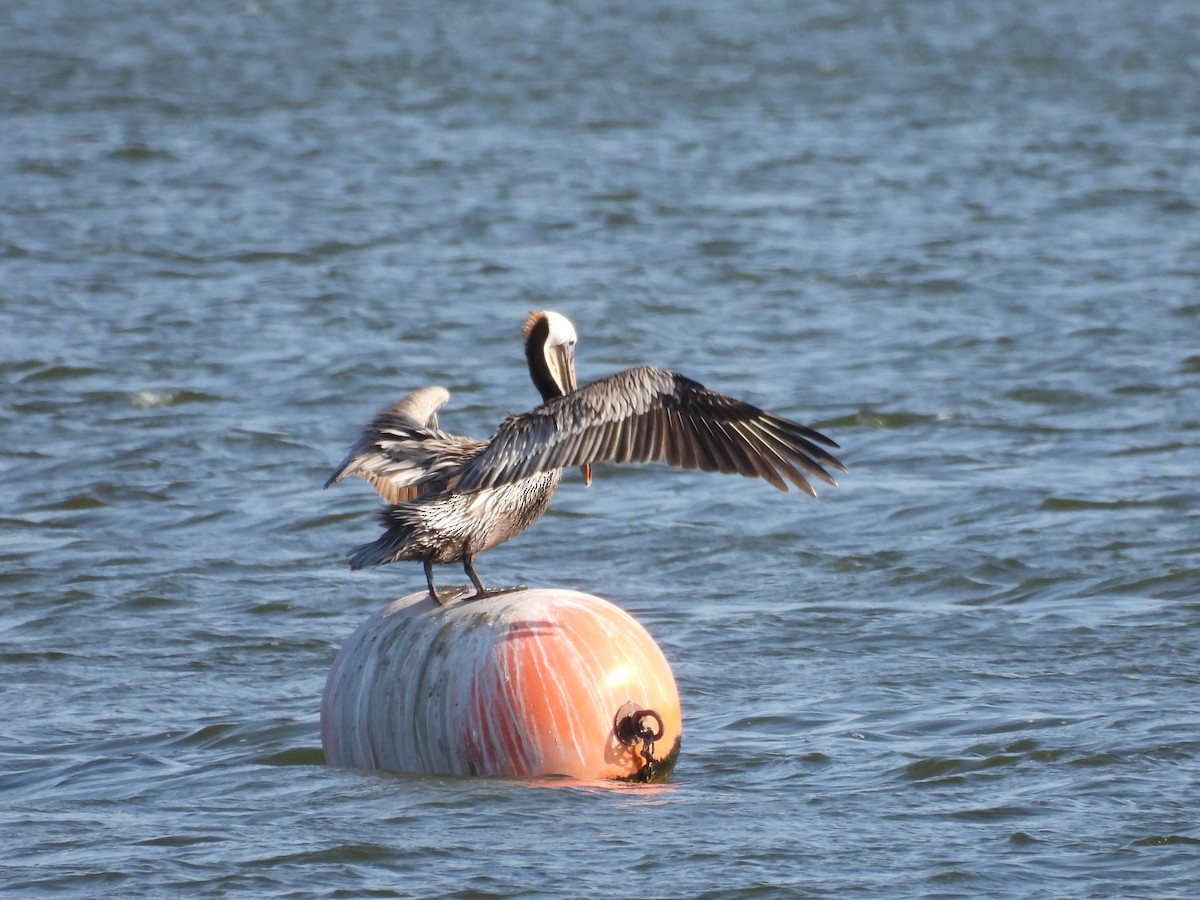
962, 239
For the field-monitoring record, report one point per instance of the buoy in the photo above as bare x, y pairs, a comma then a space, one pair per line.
526, 683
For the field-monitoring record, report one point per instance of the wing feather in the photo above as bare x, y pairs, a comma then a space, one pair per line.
647, 414
401, 452
654, 436
706, 456
801, 452
776, 456
761, 465
735, 449
679, 445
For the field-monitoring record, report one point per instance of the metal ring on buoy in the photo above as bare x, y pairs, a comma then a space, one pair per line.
629, 728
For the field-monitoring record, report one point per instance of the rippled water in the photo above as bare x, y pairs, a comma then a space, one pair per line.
960, 238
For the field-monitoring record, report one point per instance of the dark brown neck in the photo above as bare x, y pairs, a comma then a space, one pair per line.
535, 356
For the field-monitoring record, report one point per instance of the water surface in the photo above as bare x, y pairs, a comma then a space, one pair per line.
960, 239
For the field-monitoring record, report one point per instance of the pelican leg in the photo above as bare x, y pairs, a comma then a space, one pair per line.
469, 568
445, 597
429, 580
480, 590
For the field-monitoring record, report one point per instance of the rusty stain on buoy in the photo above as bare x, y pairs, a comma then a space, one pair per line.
527, 683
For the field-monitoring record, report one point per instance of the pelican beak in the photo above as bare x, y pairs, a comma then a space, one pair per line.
561, 360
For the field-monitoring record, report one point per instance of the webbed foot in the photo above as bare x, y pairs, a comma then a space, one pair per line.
494, 592
446, 596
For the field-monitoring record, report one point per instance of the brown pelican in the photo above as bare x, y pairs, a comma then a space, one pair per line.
451, 497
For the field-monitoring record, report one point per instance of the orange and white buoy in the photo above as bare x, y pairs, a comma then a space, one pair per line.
527, 683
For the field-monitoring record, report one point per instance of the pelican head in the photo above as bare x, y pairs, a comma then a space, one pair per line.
550, 351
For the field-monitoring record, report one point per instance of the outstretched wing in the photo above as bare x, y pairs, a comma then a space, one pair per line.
402, 450
647, 414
